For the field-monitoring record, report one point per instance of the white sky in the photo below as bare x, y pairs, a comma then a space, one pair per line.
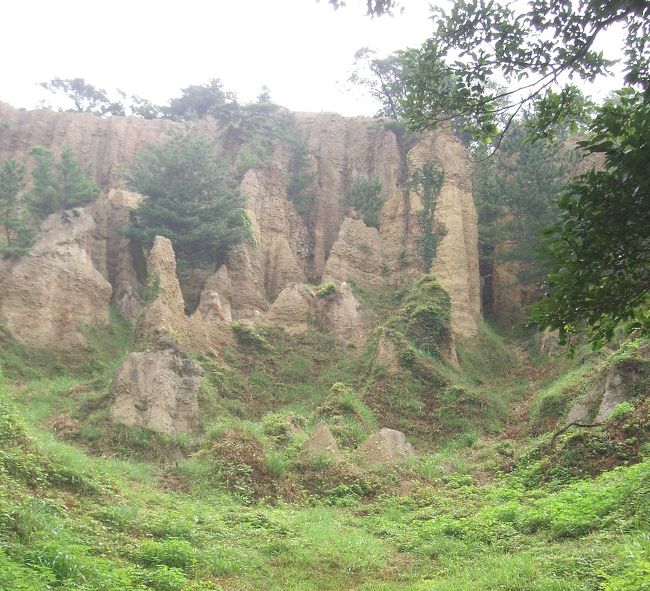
301, 49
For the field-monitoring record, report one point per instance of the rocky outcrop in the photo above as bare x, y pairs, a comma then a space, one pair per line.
157, 390
356, 254
344, 149
321, 442
618, 389
114, 256
215, 297
164, 314
323, 241
385, 446
622, 378
50, 295
101, 144
341, 314
456, 262
291, 310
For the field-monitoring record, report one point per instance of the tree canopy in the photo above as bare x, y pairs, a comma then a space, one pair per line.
57, 186
15, 225
516, 193
85, 97
535, 50
599, 252
189, 198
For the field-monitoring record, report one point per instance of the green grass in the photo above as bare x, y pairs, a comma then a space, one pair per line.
89, 506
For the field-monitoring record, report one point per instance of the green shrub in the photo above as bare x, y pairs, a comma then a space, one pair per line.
424, 317
276, 463
329, 289
165, 578
622, 411
350, 418
427, 181
248, 335
365, 196
175, 553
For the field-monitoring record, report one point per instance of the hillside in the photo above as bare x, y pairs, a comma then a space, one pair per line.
323, 409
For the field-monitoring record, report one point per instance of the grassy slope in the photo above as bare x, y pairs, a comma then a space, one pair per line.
487, 505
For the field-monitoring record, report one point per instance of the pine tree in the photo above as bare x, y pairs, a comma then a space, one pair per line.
18, 235
190, 199
43, 194
58, 185
74, 187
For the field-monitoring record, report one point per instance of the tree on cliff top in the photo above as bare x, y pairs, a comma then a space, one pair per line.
189, 198
85, 97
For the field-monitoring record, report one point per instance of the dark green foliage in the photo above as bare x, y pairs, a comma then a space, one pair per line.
599, 251
529, 46
427, 181
57, 186
250, 335
326, 290
365, 196
535, 47
516, 192
383, 79
197, 101
13, 216
301, 179
190, 199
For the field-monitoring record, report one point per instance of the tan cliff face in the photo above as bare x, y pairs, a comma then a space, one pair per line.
326, 243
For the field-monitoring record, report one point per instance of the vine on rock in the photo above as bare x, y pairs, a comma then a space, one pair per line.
427, 182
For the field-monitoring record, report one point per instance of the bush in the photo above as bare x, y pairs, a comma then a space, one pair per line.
365, 196
175, 553
165, 578
351, 419
326, 290
622, 411
247, 334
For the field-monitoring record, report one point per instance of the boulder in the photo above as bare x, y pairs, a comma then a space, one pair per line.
386, 445
157, 390
321, 442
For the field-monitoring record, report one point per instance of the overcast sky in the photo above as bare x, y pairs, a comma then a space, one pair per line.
302, 50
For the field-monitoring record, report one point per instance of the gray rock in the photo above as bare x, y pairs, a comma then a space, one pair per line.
322, 442
157, 390
386, 445
616, 391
